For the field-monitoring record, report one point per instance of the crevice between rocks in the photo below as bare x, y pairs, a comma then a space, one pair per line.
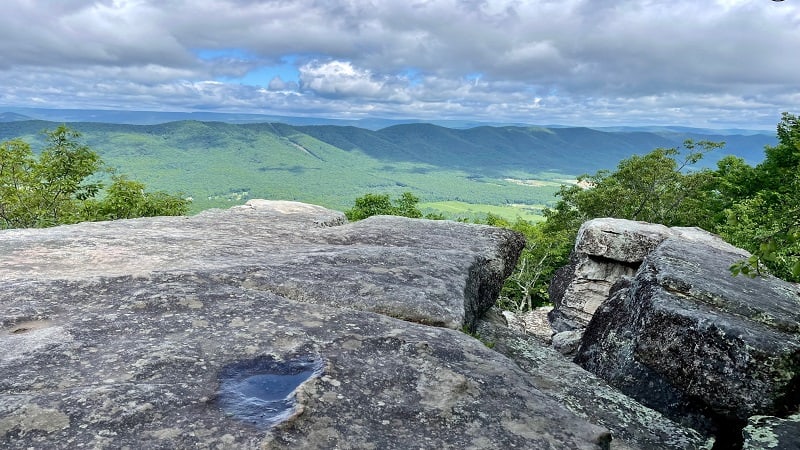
634, 265
484, 282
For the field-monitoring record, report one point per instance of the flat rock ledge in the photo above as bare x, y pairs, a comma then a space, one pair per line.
438, 273
120, 334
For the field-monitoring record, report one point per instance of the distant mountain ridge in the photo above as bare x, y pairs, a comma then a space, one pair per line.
331, 164
13, 117
160, 117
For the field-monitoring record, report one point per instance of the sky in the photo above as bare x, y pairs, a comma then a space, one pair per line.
702, 63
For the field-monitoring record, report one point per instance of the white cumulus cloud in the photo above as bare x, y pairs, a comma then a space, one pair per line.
339, 79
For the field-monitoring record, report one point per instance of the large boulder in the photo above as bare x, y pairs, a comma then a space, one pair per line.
632, 425
433, 272
269, 326
605, 251
686, 338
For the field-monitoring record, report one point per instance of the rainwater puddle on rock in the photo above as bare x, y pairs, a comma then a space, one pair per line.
262, 391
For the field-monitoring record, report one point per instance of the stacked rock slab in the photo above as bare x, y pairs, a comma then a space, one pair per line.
118, 334
685, 337
605, 251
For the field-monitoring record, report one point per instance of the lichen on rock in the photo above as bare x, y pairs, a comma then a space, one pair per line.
145, 316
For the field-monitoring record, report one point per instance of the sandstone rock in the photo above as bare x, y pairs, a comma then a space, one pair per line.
606, 250
688, 339
433, 272
769, 432
632, 425
567, 342
133, 333
534, 323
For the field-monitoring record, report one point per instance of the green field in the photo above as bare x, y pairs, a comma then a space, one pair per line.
470, 211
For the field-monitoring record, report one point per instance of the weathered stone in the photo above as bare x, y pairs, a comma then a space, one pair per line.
123, 334
606, 250
632, 425
433, 272
532, 322
620, 240
567, 342
769, 432
688, 339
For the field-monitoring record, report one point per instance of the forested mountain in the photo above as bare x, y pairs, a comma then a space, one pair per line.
12, 117
158, 117
217, 163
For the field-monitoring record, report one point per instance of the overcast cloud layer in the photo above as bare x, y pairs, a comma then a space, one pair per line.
709, 63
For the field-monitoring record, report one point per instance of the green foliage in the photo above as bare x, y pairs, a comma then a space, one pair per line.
16, 175
656, 187
453, 209
544, 253
380, 204
764, 218
63, 184
47, 191
756, 208
220, 165
126, 199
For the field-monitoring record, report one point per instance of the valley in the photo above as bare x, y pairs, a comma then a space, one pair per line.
508, 171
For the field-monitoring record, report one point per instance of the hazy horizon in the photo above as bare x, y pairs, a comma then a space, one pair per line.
145, 117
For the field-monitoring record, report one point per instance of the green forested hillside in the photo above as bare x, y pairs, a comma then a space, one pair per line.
219, 164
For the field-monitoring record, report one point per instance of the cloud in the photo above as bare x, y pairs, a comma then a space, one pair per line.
339, 79
277, 84
546, 61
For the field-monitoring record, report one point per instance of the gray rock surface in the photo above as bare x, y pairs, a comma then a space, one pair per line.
567, 342
118, 335
769, 432
686, 338
606, 250
432, 272
534, 323
632, 425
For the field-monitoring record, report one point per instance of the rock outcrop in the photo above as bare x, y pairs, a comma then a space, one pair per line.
173, 332
632, 425
432, 272
682, 335
606, 250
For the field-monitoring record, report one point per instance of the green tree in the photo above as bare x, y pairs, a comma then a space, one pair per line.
543, 254
64, 186
406, 206
47, 191
380, 204
16, 180
126, 199
657, 187
765, 219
